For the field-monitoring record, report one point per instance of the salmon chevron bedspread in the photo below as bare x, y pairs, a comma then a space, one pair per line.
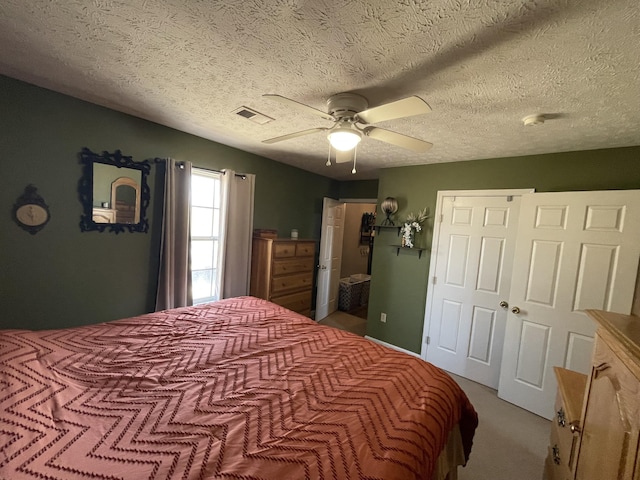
235, 389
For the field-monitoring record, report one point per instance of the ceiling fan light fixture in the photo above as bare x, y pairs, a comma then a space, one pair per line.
344, 139
532, 120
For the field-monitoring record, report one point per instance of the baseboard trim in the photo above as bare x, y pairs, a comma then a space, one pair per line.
394, 347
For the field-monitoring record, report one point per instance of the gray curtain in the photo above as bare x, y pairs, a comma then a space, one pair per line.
174, 278
237, 231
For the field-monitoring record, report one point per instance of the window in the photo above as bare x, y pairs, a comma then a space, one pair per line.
205, 235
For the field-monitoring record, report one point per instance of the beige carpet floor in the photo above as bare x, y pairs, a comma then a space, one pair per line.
510, 443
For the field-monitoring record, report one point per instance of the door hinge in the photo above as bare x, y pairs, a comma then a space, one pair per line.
428, 340
441, 217
433, 281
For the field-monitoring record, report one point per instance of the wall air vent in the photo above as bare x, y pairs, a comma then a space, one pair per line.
252, 115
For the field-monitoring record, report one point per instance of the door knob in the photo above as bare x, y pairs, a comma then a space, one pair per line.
515, 310
504, 304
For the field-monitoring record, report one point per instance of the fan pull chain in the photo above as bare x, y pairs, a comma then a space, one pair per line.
329, 157
355, 151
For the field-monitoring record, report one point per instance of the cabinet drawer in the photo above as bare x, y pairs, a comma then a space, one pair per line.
563, 436
295, 265
291, 282
298, 302
305, 249
553, 471
284, 249
557, 459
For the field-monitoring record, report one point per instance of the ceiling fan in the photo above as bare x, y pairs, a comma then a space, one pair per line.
352, 120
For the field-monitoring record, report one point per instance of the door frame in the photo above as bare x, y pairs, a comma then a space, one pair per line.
374, 201
442, 194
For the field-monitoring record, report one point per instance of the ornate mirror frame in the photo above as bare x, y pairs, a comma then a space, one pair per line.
85, 190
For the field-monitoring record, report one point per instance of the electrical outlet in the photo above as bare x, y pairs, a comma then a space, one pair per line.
383, 317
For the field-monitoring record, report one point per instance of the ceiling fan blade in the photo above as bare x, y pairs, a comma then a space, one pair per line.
404, 141
344, 157
406, 107
294, 135
299, 106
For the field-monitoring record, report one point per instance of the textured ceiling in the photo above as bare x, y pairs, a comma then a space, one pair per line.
481, 65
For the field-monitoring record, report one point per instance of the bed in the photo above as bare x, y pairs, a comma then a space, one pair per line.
236, 389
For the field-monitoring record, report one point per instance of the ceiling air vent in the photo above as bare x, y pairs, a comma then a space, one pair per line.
252, 115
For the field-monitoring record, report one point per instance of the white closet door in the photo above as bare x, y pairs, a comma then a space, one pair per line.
470, 276
574, 250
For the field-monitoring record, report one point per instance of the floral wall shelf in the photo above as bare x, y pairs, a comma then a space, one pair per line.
411, 249
387, 227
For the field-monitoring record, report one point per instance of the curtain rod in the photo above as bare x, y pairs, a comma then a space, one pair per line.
241, 175
181, 166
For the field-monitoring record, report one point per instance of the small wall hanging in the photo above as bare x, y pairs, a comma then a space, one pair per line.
30, 212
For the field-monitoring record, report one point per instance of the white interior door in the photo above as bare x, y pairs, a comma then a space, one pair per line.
575, 250
470, 275
330, 257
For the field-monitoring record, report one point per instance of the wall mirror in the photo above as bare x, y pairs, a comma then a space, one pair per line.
114, 192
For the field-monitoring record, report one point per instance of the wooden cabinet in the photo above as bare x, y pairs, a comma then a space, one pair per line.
608, 431
565, 425
282, 272
611, 417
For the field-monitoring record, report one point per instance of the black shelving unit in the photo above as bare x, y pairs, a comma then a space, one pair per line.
387, 227
413, 249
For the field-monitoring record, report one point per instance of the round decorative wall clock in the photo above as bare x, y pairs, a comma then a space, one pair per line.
30, 212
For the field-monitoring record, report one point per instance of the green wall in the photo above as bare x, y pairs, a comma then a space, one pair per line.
362, 189
399, 282
63, 277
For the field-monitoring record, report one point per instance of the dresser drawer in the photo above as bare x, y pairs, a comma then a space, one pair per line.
553, 471
291, 282
298, 302
284, 249
566, 440
295, 265
565, 425
305, 249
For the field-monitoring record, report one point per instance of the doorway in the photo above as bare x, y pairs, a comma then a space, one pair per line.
353, 260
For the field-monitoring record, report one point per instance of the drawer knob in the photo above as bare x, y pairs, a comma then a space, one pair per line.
562, 421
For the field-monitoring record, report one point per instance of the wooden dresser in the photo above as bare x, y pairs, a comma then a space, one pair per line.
608, 432
282, 272
565, 425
